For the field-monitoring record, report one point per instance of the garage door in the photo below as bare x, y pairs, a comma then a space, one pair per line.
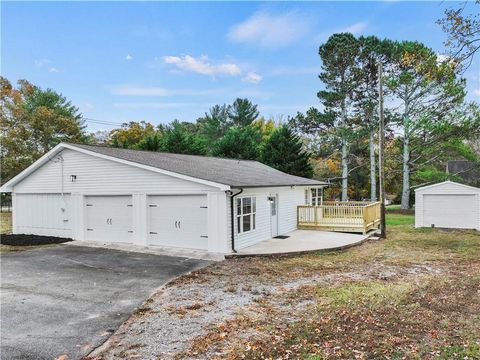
43, 214
108, 218
178, 221
450, 211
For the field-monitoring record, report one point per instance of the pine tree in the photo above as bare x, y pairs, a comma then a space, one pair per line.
242, 112
284, 151
239, 143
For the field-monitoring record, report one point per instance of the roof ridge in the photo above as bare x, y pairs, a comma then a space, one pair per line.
162, 152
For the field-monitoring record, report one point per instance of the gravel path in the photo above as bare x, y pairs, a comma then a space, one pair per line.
187, 308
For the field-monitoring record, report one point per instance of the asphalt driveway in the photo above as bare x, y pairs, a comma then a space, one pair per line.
69, 299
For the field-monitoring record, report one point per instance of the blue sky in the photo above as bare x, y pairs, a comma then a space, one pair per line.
159, 61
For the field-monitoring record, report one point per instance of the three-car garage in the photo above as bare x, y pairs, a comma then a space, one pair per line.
111, 195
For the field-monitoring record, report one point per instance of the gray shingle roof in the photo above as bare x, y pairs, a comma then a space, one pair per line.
235, 173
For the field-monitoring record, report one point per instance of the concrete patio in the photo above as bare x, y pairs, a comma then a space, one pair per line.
300, 241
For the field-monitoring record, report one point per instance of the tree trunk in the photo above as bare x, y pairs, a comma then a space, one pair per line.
373, 177
344, 169
406, 169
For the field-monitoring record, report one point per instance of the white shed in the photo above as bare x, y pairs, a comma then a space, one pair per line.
106, 194
448, 205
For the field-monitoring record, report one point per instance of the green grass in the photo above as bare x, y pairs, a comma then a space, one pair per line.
392, 207
399, 219
5, 222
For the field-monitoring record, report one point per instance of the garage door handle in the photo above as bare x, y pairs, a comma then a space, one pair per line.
204, 236
176, 224
152, 232
179, 224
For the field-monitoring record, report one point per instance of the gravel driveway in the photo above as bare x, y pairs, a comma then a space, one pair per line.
67, 300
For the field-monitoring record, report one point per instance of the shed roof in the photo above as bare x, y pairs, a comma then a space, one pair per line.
451, 184
231, 172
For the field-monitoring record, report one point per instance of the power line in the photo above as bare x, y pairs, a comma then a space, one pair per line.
101, 122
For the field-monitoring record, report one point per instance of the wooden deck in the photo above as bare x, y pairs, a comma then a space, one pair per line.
350, 216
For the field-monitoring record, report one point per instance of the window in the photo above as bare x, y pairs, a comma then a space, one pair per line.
246, 212
313, 196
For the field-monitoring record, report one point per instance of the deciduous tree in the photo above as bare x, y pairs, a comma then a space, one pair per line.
32, 122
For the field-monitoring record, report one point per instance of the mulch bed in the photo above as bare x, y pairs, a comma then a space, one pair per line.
29, 240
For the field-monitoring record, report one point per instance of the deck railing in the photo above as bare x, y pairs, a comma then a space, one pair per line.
351, 216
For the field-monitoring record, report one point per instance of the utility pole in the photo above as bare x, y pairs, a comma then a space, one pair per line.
381, 141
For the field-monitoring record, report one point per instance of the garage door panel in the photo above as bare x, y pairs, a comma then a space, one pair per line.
109, 218
450, 211
178, 221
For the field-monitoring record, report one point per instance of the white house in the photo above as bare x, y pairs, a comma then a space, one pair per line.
106, 194
448, 205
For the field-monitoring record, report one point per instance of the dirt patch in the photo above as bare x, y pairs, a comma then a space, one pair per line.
414, 295
30, 240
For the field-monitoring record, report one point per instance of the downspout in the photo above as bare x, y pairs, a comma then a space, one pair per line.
232, 218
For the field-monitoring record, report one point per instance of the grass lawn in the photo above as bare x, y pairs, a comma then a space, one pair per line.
5, 222
415, 295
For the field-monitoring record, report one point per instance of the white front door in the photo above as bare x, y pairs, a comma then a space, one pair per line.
109, 218
178, 221
273, 214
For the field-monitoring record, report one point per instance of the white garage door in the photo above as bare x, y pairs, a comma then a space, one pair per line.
450, 211
109, 218
178, 221
43, 214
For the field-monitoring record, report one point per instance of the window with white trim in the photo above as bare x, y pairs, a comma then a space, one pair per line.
246, 213
313, 196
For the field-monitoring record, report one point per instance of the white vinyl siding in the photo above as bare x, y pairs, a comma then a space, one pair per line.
288, 199
42, 214
97, 175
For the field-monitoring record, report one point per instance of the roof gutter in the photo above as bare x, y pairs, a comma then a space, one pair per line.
232, 218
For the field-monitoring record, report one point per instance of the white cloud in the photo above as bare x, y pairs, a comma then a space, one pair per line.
42, 62
128, 57
477, 92
132, 90
355, 28
270, 30
48, 65
202, 65
253, 77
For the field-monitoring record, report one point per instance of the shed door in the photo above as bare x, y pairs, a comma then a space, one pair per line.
178, 221
109, 218
450, 211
